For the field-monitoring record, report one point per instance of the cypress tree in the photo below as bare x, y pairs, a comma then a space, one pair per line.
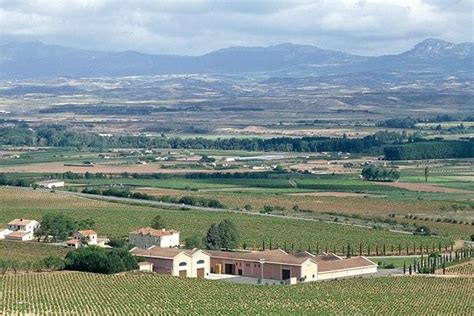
404, 267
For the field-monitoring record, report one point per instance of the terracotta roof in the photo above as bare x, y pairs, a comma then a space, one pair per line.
20, 221
87, 232
17, 234
154, 232
270, 256
326, 257
73, 241
162, 252
334, 265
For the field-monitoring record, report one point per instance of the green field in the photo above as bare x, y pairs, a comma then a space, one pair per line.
75, 293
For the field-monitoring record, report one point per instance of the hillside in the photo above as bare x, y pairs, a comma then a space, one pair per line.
37, 60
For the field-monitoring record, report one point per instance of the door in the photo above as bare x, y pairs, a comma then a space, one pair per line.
183, 273
229, 268
239, 272
200, 273
285, 274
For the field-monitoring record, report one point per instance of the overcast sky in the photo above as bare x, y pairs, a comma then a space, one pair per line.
367, 27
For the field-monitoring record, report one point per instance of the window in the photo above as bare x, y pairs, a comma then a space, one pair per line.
313, 276
248, 265
183, 264
200, 261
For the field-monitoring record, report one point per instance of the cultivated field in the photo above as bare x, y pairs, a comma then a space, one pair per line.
145, 294
114, 219
28, 251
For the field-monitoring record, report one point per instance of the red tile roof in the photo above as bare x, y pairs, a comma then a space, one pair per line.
20, 221
169, 253
270, 256
17, 235
73, 241
154, 232
87, 232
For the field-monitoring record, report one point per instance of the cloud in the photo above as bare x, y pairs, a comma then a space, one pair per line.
369, 27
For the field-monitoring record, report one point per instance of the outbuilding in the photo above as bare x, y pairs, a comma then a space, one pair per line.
50, 184
177, 262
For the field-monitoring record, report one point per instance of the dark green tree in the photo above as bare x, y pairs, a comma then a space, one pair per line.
58, 227
157, 222
192, 242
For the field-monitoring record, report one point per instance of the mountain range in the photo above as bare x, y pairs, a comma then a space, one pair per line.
21, 60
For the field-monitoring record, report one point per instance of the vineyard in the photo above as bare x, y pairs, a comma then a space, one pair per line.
466, 268
148, 294
114, 219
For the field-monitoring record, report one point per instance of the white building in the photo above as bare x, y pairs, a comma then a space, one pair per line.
86, 237
177, 262
20, 229
147, 237
51, 184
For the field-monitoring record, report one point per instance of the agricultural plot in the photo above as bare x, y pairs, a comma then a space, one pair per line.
127, 294
28, 251
113, 219
466, 268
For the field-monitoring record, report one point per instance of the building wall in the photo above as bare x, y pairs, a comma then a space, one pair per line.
164, 266
144, 241
31, 227
346, 273
309, 271
147, 241
182, 258
198, 257
252, 268
58, 184
169, 241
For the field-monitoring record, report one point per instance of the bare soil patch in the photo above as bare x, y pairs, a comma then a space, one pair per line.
423, 187
61, 168
334, 194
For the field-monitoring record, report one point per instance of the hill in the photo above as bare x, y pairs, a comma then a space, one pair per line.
38, 60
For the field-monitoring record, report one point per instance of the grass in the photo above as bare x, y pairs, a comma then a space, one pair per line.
29, 251
133, 293
113, 219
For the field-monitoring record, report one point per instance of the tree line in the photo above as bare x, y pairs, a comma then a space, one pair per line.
394, 146
431, 150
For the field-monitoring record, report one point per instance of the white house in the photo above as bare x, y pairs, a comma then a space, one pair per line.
86, 237
147, 237
20, 229
177, 262
50, 184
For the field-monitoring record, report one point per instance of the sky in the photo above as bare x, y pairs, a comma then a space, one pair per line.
195, 27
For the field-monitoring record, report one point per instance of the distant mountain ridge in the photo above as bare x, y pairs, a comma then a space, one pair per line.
36, 60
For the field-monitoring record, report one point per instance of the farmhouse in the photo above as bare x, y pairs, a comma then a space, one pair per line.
280, 265
270, 264
50, 184
147, 237
85, 237
178, 262
20, 229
